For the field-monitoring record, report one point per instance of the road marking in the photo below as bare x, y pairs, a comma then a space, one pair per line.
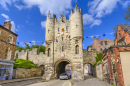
69, 83
64, 83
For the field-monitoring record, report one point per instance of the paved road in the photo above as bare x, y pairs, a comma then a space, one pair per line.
53, 83
21, 83
90, 81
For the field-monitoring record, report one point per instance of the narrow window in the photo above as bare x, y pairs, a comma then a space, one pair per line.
77, 49
119, 32
58, 29
0, 32
62, 48
66, 28
48, 52
105, 42
62, 38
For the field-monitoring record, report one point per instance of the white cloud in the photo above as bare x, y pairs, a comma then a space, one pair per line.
13, 28
126, 3
102, 7
43, 24
20, 7
55, 6
4, 3
88, 19
5, 16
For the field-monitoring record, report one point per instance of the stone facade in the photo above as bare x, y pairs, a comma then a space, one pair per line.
7, 47
100, 45
62, 39
25, 73
38, 59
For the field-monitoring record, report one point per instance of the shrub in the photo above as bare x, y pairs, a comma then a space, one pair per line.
20, 63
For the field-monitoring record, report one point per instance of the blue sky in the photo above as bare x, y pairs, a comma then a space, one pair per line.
28, 16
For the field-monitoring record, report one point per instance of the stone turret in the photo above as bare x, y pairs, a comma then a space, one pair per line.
50, 23
76, 23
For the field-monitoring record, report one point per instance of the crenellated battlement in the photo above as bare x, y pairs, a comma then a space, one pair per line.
31, 55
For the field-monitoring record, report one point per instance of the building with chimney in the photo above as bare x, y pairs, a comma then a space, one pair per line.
116, 59
7, 50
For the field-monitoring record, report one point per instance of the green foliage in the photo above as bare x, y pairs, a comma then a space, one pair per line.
19, 48
98, 59
112, 85
27, 47
20, 63
40, 48
127, 15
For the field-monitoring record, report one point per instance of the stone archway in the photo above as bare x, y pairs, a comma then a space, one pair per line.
62, 66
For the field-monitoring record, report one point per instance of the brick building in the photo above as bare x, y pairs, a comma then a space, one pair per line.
99, 45
115, 59
7, 50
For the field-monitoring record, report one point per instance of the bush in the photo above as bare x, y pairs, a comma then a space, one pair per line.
20, 63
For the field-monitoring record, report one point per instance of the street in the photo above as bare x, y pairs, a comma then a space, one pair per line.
53, 83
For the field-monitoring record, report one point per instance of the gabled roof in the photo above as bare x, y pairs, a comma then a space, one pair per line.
8, 30
125, 27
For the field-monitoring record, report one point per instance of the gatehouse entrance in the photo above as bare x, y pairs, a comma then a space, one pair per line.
62, 67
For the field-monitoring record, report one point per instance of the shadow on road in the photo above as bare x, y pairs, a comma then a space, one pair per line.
86, 77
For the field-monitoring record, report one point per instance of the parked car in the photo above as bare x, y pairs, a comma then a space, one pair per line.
69, 74
63, 76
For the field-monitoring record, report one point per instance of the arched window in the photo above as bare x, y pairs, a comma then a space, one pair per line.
77, 49
49, 52
62, 48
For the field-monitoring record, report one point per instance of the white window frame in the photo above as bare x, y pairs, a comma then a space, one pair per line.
11, 42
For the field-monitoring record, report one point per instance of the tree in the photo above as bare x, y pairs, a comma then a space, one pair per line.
27, 47
127, 15
19, 48
115, 30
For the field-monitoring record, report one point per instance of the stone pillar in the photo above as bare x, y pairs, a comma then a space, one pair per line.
77, 72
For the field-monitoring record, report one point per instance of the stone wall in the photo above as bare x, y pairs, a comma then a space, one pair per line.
99, 71
25, 73
32, 56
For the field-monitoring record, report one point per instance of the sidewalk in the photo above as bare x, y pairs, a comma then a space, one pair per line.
17, 80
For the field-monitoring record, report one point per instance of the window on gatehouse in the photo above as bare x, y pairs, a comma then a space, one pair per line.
77, 49
62, 48
49, 52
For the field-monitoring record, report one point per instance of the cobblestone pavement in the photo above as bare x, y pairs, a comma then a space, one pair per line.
21, 83
90, 81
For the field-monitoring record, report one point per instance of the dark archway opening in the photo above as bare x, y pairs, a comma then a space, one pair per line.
63, 67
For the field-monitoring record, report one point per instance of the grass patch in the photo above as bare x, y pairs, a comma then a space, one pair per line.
20, 63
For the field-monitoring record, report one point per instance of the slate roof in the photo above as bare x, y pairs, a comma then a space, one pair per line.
8, 30
126, 27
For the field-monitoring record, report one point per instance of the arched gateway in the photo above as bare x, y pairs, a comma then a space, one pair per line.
64, 45
62, 66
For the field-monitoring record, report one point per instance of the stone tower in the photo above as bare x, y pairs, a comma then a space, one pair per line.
64, 45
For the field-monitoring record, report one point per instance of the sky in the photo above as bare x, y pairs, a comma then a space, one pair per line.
28, 17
